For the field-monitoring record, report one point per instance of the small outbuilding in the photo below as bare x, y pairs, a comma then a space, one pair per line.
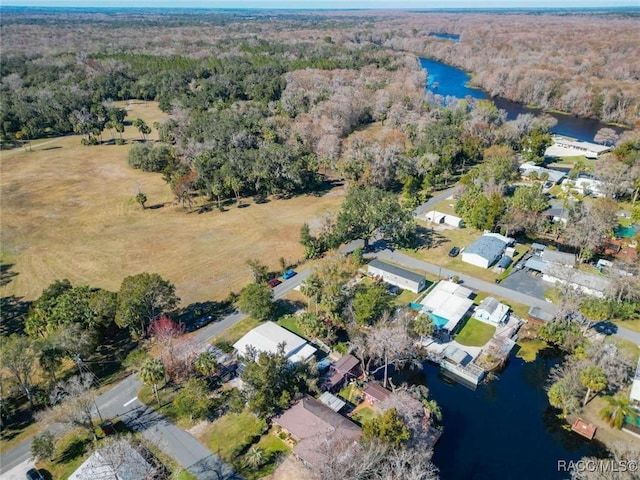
444, 218
375, 393
487, 250
393, 275
491, 311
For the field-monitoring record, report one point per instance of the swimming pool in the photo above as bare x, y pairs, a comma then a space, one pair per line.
626, 232
438, 321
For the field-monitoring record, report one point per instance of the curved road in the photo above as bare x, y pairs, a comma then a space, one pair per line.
120, 401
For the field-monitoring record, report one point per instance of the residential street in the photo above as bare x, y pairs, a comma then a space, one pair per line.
481, 285
174, 441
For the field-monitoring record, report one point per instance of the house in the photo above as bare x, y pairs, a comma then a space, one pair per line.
539, 316
119, 461
487, 250
491, 311
444, 218
567, 147
583, 282
397, 276
446, 304
375, 393
561, 258
558, 211
311, 423
530, 169
347, 367
635, 386
584, 186
269, 336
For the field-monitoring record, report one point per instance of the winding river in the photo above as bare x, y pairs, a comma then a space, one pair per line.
446, 80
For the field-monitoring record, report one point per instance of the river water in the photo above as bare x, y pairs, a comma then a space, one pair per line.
505, 429
447, 80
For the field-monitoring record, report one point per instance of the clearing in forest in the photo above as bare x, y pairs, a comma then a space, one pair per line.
68, 211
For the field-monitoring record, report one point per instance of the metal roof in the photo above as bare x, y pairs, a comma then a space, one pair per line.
400, 272
331, 401
505, 261
536, 264
488, 247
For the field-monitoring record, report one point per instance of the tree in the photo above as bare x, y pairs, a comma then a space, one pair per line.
388, 427
206, 364
142, 127
78, 402
141, 198
313, 326
423, 326
589, 225
152, 372
193, 400
606, 136
366, 210
617, 410
594, 380
370, 302
18, 356
255, 457
271, 381
165, 332
259, 271
43, 446
256, 299
141, 299
561, 397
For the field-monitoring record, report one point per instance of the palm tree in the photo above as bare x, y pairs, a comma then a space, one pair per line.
617, 410
560, 397
151, 373
255, 457
206, 364
433, 408
594, 379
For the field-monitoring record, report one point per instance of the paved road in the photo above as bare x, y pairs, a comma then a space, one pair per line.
440, 196
111, 404
481, 285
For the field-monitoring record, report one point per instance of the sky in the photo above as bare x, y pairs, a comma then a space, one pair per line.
326, 4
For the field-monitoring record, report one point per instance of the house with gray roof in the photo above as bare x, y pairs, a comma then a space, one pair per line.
487, 250
491, 311
393, 275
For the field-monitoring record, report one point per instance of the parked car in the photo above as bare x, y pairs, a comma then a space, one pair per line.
454, 252
274, 282
202, 321
288, 274
34, 474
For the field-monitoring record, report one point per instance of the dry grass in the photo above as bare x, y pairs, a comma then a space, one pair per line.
68, 212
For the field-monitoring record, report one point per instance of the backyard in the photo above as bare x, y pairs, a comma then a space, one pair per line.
475, 333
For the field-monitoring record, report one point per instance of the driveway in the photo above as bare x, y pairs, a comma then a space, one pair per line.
524, 282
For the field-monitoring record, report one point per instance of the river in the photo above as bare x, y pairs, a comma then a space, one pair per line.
446, 80
505, 429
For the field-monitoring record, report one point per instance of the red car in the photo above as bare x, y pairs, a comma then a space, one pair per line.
274, 282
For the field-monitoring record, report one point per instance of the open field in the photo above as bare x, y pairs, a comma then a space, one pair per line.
68, 212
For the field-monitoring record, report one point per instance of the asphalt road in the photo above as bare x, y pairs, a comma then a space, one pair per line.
120, 401
481, 285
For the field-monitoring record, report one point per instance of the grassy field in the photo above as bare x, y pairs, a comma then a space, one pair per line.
229, 431
68, 212
475, 333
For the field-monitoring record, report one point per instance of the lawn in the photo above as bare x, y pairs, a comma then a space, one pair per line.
406, 297
475, 333
528, 349
363, 414
291, 323
69, 212
166, 394
234, 333
71, 450
224, 435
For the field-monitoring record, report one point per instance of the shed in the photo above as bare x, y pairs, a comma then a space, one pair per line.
405, 279
444, 218
485, 251
504, 262
583, 428
374, 393
456, 355
491, 311
540, 316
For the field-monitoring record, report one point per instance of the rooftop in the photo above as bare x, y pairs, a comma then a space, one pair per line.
581, 279
377, 391
540, 314
130, 465
346, 363
331, 401
563, 258
488, 246
554, 175
583, 428
267, 338
448, 300
394, 270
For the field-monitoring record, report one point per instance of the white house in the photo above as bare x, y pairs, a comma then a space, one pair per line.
393, 275
491, 311
444, 218
528, 169
635, 386
119, 461
447, 303
487, 250
269, 336
567, 147
584, 282
584, 186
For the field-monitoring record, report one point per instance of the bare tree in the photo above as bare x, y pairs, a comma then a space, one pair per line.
73, 403
119, 456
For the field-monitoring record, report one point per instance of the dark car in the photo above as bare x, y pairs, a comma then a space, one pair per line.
34, 474
202, 321
274, 282
454, 252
